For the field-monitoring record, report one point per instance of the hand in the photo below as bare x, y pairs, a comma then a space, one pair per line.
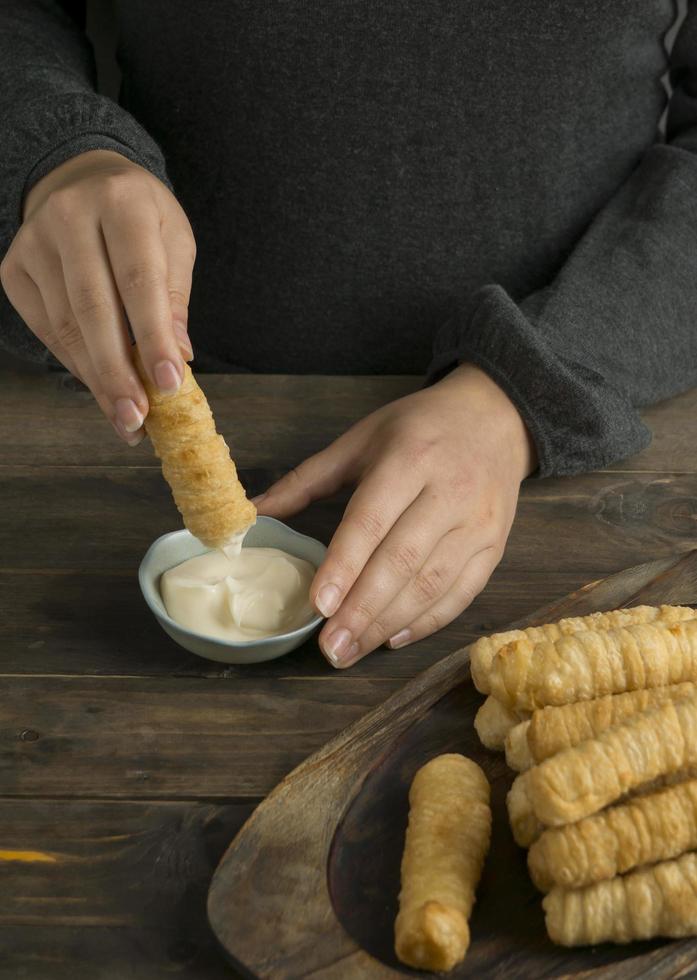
102, 240
438, 475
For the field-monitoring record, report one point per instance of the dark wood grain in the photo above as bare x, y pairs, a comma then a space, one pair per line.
48, 628
306, 414
71, 905
75, 516
168, 737
273, 421
316, 864
90, 527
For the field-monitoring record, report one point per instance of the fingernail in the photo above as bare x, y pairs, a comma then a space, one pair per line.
399, 639
337, 644
328, 600
136, 440
351, 657
257, 500
167, 378
132, 439
128, 414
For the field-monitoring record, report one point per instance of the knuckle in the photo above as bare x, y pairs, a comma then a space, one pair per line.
428, 585
370, 525
403, 559
116, 188
461, 484
69, 334
177, 298
109, 375
88, 299
364, 610
347, 569
139, 276
379, 632
418, 452
62, 204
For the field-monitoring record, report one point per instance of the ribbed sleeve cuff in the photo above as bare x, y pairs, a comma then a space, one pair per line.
81, 143
577, 420
48, 134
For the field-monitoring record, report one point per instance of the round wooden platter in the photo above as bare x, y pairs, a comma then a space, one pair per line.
308, 887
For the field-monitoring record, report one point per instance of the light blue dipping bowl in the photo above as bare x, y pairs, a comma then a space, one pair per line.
174, 548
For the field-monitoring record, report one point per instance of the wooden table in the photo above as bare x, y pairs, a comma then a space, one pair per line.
126, 764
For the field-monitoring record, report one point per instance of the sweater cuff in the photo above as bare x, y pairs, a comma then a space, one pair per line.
45, 138
81, 143
577, 420
48, 136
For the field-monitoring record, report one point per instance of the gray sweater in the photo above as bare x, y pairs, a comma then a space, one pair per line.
393, 186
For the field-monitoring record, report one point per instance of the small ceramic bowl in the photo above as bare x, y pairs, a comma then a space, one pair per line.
174, 548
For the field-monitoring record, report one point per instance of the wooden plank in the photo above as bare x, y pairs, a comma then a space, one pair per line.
147, 737
69, 600
110, 890
168, 738
674, 426
106, 953
271, 420
48, 627
97, 519
268, 420
90, 518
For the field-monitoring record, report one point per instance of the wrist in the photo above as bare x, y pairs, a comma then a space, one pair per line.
501, 411
81, 165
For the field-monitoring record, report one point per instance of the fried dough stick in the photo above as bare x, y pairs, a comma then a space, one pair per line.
196, 462
643, 830
585, 778
587, 665
552, 729
660, 900
485, 648
445, 846
526, 826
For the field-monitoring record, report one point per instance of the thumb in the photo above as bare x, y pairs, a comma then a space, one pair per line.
318, 476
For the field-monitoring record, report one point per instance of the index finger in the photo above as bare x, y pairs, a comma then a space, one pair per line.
139, 263
372, 511
396, 562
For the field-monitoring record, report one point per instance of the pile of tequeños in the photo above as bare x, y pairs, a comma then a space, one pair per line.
598, 714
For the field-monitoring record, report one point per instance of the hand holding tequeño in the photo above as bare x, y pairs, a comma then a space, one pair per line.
104, 242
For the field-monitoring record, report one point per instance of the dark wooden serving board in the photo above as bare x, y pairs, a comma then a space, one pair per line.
308, 888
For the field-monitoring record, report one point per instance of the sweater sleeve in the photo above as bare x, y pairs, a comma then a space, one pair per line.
617, 327
50, 111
